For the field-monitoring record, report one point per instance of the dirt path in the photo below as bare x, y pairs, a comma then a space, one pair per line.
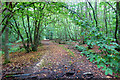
62, 64
53, 61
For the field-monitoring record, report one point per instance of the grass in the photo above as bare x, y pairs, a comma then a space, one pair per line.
70, 52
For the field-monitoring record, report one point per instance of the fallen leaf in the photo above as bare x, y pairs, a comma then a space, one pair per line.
78, 71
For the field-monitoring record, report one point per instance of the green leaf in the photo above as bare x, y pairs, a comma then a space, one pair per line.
106, 72
98, 66
81, 54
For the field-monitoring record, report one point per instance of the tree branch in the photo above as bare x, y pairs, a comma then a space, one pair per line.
112, 7
73, 11
9, 15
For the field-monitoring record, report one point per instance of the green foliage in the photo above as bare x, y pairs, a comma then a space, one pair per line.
90, 44
108, 58
21, 40
80, 48
80, 43
1, 52
10, 44
14, 49
112, 56
103, 62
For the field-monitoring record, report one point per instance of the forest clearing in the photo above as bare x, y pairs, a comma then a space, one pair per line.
60, 40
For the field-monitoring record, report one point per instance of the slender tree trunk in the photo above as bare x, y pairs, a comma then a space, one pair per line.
66, 34
69, 35
1, 5
34, 48
37, 27
36, 36
118, 9
82, 36
75, 33
117, 21
90, 17
109, 21
69, 32
25, 32
30, 35
105, 19
35, 24
19, 33
86, 9
94, 14
117, 17
96, 8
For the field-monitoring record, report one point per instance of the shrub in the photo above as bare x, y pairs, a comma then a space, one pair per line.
90, 44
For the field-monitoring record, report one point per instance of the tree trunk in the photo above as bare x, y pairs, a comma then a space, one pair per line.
1, 5
7, 58
82, 36
34, 47
117, 17
75, 32
19, 33
117, 21
109, 21
118, 9
96, 8
90, 17
86, 9
37, 28
94, 14
25, 31
66, 34
30, 35
105, 19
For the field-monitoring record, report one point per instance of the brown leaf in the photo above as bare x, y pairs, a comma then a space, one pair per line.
78, 71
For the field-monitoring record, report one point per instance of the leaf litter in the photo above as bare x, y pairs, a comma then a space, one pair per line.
54, 61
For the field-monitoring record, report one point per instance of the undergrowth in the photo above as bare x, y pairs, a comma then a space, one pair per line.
108, 58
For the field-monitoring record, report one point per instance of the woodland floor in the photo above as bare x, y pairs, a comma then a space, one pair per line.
52, 60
